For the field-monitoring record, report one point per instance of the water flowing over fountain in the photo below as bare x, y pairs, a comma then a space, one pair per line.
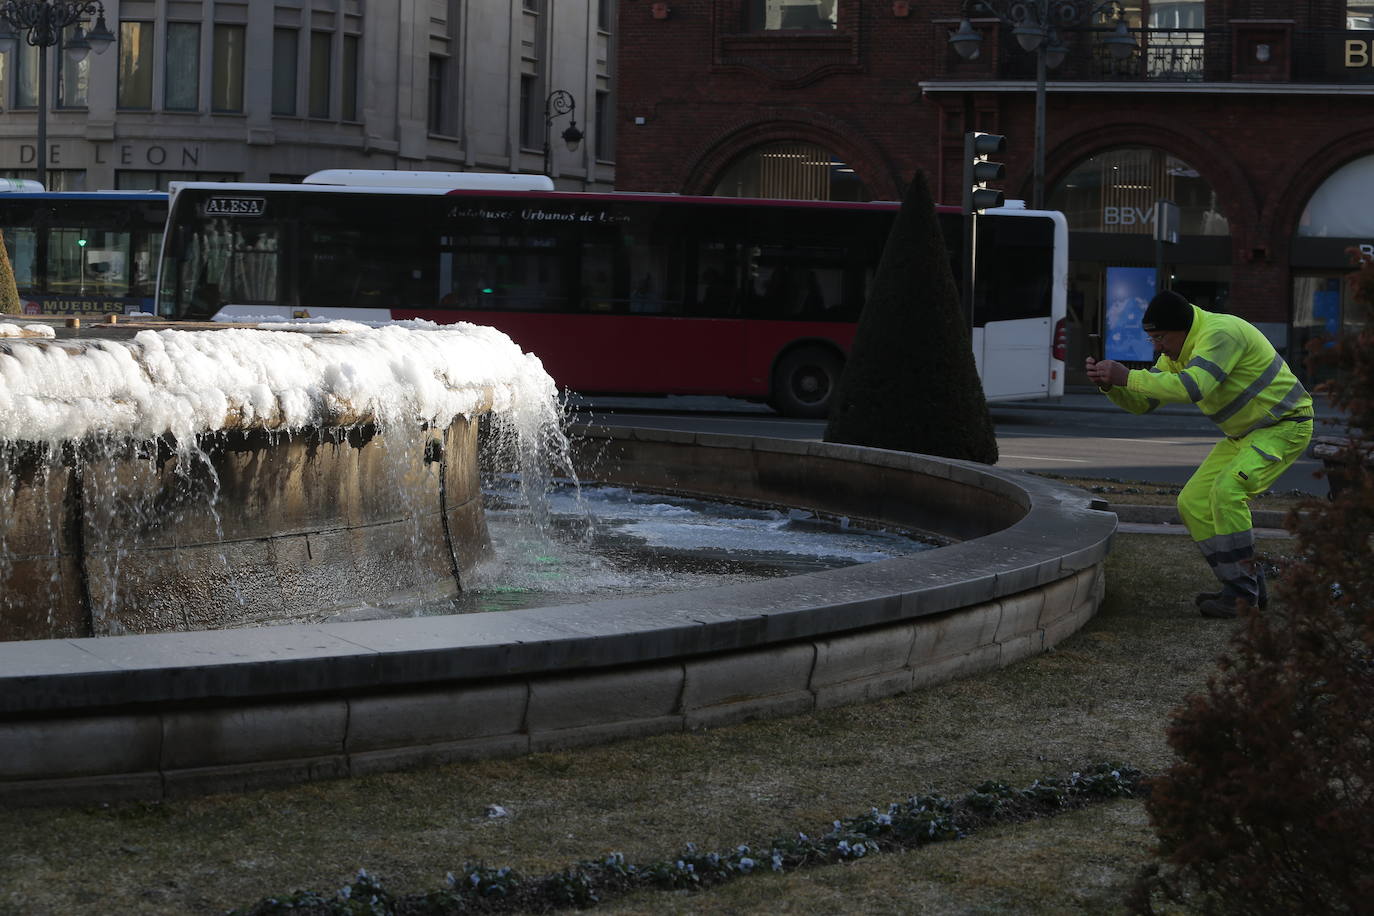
164, 479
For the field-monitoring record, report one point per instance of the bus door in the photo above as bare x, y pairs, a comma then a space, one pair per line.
1015, 305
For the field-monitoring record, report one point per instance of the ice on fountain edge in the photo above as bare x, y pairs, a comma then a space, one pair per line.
279, 376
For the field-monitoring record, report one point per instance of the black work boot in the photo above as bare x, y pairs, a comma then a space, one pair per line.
1224, 607
1217, 596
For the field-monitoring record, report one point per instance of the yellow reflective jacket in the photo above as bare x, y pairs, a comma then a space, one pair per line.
1229, 370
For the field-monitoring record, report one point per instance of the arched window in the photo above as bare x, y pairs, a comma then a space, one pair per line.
1341, 210
1343, 207
794, 170
1115, 191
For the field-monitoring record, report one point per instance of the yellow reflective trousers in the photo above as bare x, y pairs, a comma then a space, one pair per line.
1214, 504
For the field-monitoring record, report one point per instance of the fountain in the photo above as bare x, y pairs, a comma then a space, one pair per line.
169, 714
194, 479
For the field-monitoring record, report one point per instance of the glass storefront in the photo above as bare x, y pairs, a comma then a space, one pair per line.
1110, 200
1337, 221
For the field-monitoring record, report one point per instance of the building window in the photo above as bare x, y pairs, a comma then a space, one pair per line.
21, 75
529, 113
604, 127
1359, 14
349, 86
321, 65
54, 180
775, 15
1116, 191
530, 5
227, 83
149, 180
605, 14
1177, 14
72, 77
182, 91
437, 66
135, 65
791, 170
285, 51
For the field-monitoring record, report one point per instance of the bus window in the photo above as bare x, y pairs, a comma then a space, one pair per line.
799, 283
656, 273
22, 246
230, 261
721, 272
1015, 278
507, 272
598, 279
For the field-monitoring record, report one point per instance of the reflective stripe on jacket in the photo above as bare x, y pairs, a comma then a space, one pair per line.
1229, 370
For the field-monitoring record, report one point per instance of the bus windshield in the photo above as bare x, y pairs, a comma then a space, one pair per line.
615, 293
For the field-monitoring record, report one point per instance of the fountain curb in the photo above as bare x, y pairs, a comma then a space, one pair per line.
176, 714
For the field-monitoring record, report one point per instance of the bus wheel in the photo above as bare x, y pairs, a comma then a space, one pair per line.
805, 381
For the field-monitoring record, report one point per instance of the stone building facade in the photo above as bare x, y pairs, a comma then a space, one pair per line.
1255, 117
258, 90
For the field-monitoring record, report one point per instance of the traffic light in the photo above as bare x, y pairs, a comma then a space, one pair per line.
978, 171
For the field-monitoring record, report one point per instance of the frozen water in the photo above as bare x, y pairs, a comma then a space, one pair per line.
612, 542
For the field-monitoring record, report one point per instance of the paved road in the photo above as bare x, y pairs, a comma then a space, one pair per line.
1080, 435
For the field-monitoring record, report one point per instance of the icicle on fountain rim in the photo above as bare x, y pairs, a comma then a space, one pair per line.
177, 384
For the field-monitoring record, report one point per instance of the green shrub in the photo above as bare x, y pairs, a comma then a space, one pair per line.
911, 382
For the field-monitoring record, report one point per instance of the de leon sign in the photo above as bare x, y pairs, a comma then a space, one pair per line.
134, 155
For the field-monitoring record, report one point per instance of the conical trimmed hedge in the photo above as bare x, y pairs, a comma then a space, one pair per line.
911, 383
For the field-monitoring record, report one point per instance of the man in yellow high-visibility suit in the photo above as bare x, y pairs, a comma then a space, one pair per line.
1228, 368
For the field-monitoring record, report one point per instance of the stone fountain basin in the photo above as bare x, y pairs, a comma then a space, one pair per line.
176, 714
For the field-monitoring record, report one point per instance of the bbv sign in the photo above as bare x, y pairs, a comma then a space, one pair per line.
1128, 216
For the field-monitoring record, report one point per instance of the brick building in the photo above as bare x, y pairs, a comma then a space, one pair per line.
1255, 117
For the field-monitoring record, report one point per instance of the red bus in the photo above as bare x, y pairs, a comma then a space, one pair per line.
620, 293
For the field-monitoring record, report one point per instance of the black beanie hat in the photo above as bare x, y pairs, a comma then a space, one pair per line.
1168, 311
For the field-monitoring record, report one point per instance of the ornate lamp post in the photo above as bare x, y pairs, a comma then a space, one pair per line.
560, 102
40, 23
1036, 24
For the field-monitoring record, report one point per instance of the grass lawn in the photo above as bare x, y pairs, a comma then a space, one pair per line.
1103, 695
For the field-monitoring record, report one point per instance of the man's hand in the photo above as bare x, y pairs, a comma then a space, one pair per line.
1107, 373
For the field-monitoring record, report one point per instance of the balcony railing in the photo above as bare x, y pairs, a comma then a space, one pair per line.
1230, 54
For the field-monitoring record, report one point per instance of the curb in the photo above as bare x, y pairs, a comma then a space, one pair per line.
1168, 515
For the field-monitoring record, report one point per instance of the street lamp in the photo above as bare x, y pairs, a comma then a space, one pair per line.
40, 23
560, 102
1036, 25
